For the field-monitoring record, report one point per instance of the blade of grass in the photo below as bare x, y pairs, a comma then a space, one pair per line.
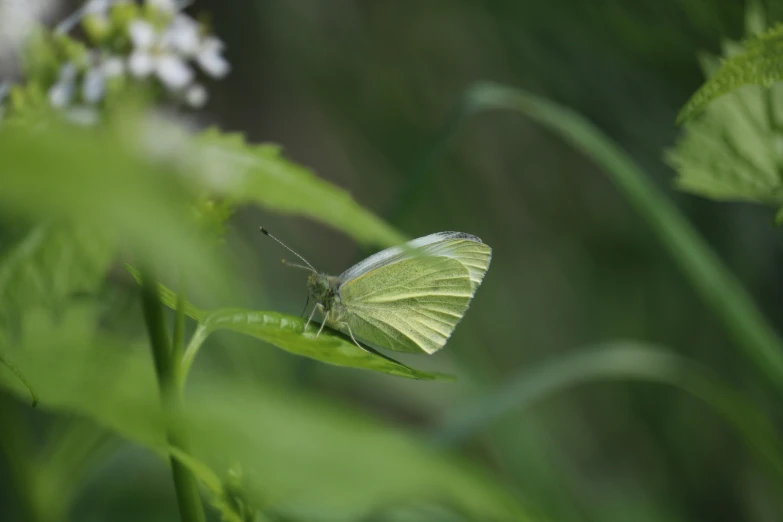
622, 360
719, 289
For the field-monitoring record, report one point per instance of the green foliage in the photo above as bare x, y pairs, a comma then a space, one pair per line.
259, 174
96, 195
52, 265
279, 436
288, 333
733, 151
760, 63
49, 268
719, 289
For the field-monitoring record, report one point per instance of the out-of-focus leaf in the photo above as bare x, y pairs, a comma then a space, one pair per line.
302, 457
733, 151
4, 361
91, 178
332, 347
50, 266
260, 174
761, 63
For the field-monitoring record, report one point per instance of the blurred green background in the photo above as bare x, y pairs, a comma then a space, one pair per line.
363, 92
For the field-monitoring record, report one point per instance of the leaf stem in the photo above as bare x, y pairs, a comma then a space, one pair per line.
198, 338
179, 332
185, 484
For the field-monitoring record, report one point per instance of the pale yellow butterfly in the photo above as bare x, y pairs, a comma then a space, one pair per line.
407, 298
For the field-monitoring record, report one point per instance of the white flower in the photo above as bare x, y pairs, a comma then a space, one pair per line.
141, 64
62, 92
142, 34
196, 96
93, 85
210, 58
173, 72
112, 67
102, 67
183, 34
151, 54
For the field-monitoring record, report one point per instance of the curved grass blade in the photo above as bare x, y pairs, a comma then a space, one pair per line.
719, 289
627, 361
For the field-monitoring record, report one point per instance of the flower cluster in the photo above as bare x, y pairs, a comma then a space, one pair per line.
152, 42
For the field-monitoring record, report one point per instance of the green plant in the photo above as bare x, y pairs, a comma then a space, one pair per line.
100, 177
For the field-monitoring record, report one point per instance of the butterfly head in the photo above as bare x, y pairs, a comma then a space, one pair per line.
322, 289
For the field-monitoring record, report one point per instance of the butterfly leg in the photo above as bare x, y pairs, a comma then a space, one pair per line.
350, 332
321, 329
311, 316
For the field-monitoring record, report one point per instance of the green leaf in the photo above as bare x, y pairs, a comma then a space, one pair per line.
259, 174
287, 332
734, 151
96, 179
761, 63
278, 435
50, 266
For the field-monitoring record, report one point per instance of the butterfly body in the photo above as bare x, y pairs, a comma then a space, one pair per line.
325, 291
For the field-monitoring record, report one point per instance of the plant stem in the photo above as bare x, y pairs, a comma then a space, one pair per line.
179, 327
198, 338
185, 483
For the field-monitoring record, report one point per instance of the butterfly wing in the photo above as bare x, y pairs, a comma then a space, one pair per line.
465, 248
411, 300
411, 305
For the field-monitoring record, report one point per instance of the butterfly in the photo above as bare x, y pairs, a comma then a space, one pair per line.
407, 298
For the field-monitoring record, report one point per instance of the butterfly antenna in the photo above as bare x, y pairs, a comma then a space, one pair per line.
294, 265
309, 266
305, 306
